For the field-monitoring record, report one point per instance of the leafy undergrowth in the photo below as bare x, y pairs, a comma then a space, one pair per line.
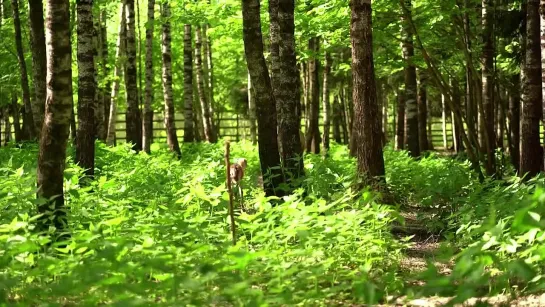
153, 230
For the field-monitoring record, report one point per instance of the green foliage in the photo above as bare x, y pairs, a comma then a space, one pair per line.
151, 229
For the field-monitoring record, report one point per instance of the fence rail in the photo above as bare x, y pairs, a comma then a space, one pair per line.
237, 128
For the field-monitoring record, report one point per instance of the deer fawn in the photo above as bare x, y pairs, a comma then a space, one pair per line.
236, 173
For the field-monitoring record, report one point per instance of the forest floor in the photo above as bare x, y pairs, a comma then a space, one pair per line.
426, 248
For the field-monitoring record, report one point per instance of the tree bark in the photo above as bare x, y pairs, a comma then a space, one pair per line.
189, 128
488, 84
514, 121
366, 120
413, 144
325, 100
336, 120
444, 120
85, 141
423, 112
265, 101
39, 67
251, 110
456, 129
15, 112
147, 131
54, 135
313, 133
99, 91
400, 121
133, 121
172, 138
107, 92
31, 130
287, 93
209, 132
471, 105
118, 74
531, 154
542, 23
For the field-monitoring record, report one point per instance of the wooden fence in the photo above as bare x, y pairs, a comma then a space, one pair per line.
237, 127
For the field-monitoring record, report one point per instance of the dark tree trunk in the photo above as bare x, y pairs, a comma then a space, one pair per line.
265, 102
423, 111
39, 67
366, 120
133, 122
514, 121
531, 154
456, 129
336, 120
274, 37
313, 133
147, 131
209, 132
287, 93
325, 100
251, 111
471, 105
400, 121
54, 135
28, 121
85, 141
172, 138
344, 120
413, 144
189, 128
488, 84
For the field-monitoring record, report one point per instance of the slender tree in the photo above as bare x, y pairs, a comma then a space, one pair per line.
118, 74
251, 111
189, 131
531, 154
85, 141
325, 100
147, 131
423, 112
107, 91
134, 133
39, 65
413, 144
366, 120
28, 120
54, 135
542, 23
166, 53
209, 132
287, 92
487, 66
400, 120
313, 133
514, 121
265, 103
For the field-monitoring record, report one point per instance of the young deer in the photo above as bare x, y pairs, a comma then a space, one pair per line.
236, 173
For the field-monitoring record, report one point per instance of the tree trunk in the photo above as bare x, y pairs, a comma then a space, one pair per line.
514, 121
15, 112
274, 38
107, 93
172, 138
313, 133
456, 129
7, 124
208, 70
336, 120
28, 120
85, 141
99, 91
209, 132
542, 23
54, 138
39, 67
147, 131
385, 119
444, 121
287, 93
189, 128
265, 101
325, 101
118, 74
423, 111
400, 121
531, 154
413, 144
133, 122
488, 84
471, 106
251, 110
366, 111
344, 120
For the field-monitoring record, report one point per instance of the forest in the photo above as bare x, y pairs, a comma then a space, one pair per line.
272, 153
